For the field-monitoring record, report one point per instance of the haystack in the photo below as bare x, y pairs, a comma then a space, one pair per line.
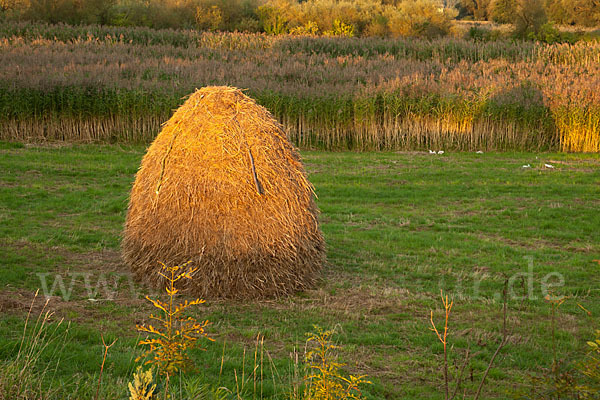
221, 186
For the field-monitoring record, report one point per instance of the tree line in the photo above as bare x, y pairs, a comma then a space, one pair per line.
392, 18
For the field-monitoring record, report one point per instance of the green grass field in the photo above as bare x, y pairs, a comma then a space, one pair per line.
399, 227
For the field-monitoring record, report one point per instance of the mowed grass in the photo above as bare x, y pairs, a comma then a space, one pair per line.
399, 227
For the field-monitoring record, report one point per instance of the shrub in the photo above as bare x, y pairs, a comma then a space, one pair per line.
143, 386
341, 29
585, 12
309, 28
590, 367
54, 11
378, 27
478, 9
175, 335
227, 15
425, 18
248, 24
558, 12
209, 18
325, 13
548, 33
324, 380
484, 34
275, 16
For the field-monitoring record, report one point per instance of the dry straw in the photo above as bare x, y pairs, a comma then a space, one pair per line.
223, 187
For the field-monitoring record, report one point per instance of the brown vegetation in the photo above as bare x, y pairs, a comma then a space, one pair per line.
222, 187
333, 93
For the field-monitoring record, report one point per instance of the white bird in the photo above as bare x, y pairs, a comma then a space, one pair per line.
441, 152
527, 166
431, 152
548, 166
479, 152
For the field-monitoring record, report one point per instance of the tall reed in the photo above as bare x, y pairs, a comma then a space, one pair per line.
119, 84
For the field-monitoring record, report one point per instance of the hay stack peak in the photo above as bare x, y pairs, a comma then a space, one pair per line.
221, 186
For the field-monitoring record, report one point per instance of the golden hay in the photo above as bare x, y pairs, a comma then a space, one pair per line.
222, 187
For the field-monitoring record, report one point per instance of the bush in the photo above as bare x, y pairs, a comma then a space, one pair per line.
417, 18
548, 33
309, 28
247, 24
209, 18
590, 366
341, 29
325, 13
275, 16
484, 34
476, 9
378, 27
420, 18
324, 379
227, 15
585, 12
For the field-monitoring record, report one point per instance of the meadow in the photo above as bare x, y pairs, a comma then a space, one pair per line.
512, 200
115, 84
400, 227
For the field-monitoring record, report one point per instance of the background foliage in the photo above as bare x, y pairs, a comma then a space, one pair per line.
428, 18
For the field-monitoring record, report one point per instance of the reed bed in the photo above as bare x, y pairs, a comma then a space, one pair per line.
121, 84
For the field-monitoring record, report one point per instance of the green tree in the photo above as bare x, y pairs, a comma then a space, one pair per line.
96, 11
586, 12
9, 5
558, 12
275, 16
54, 11
421, 18
503, 11
530, 16
479, 9
209, 18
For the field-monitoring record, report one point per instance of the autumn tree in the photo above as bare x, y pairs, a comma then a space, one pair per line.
479, 9
530, 16
503, 11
